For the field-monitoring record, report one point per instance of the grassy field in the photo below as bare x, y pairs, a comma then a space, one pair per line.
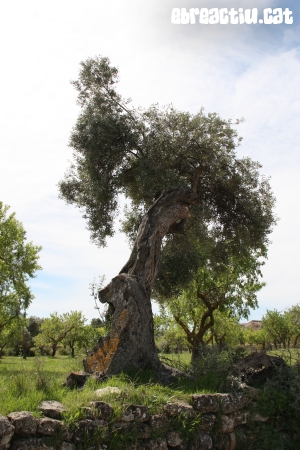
25, 383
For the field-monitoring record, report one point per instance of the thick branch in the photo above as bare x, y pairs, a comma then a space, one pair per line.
168, 213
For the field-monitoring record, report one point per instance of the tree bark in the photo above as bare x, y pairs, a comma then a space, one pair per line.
130, 342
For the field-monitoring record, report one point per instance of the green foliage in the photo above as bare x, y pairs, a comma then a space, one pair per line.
122, 150
278, 327
66, 328
281, 398
11, 334
18, 263
212, 368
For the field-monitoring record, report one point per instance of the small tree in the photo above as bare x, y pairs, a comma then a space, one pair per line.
18, 263
229, 288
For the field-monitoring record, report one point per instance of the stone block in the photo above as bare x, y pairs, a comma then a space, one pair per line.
231, 403
6, 432
53, 427
137, 413
102, 410
173, 439
52, 408
159, 423
206, 403
89, 428
24, 422
32, 443
177, 409
207, 422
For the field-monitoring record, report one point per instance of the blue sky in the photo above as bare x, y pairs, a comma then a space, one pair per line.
249, 71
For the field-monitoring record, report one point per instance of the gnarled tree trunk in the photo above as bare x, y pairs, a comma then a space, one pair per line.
130, 343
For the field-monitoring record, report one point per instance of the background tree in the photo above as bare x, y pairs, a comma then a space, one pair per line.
169, 336
187, 166
259, 338
18, 263
278, 328
293, 314
54, 330
229, 288
11, 334
34, 325
76, 336
226, 331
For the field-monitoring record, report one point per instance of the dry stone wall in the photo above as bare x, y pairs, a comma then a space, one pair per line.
208, 423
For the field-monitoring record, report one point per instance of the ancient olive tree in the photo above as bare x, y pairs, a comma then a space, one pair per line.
180, 174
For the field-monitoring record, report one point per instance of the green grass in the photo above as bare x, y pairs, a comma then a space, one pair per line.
25, 383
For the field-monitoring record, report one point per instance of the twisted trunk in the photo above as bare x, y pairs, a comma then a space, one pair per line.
130, 343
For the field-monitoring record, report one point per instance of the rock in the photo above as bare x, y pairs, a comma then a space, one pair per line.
32, 443
207, 422
176, 409
89, 413
137, 413
225, 441
102, 410
159, 423
53, 409
203, 442
24, 422
230, 403
173, 439
88, 428
138, 429
107, 390
227, 424
206, 403
257, 367
240, 418
54, 427
156, 444
76, 380
256, 417
98, 447
67, 446
6, 432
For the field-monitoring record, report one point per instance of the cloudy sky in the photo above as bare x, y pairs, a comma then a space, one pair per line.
249, 71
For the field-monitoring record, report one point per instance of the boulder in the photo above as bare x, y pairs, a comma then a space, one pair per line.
76, 380
257, 367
